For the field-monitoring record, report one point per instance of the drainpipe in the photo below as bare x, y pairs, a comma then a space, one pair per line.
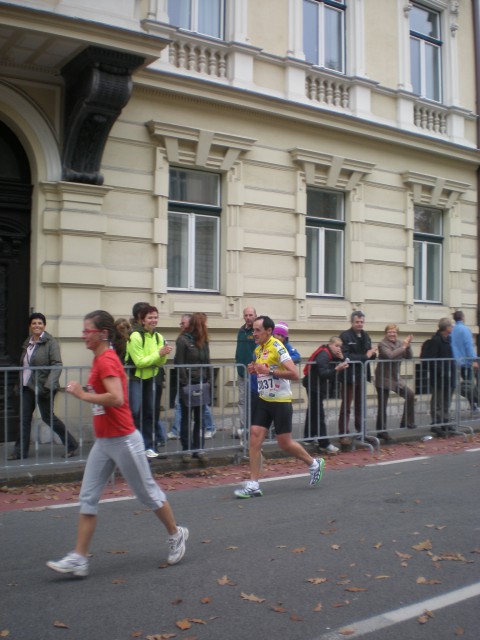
476, 37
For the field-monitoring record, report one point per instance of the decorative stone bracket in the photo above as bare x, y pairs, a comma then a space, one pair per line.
98, 85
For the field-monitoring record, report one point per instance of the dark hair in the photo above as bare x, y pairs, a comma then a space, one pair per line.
197, 326
102, 320
143, 313
35, 316
267, 322
137, 308
458, 315
356, 314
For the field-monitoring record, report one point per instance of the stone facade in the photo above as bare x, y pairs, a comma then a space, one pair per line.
249, 108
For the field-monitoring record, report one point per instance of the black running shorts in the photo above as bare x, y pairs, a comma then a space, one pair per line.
278, 413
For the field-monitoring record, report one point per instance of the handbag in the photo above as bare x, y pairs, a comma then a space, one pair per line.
195, 395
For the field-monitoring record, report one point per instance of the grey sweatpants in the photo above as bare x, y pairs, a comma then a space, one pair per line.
128, 454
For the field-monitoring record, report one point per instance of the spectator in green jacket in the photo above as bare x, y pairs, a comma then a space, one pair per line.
244, 356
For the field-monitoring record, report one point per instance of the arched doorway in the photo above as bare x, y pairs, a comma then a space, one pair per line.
15, 211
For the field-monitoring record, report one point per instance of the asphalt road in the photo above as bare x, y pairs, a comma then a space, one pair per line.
335, 561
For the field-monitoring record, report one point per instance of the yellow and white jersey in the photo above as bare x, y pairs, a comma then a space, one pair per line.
273, 353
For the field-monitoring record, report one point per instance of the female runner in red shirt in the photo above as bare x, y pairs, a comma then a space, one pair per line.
117, 444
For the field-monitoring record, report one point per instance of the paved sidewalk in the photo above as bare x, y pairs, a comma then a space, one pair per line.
45, 464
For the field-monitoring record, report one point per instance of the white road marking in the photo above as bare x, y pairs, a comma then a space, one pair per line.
388, 619
382, 464
77, 504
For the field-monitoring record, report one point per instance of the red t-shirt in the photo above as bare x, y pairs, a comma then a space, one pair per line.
110, 422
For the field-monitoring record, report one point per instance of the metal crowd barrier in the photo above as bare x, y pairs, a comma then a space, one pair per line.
219, 432
442, 395
378, 413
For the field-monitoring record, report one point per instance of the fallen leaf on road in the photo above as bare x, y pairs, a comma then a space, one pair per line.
176, 601
426, 545
119, 581
405, 556
317, 580
422, 580
60, 625
449, 556
327, 532
355, 589
299, 550
346, 632
231, 548
381, 577
4, 633
278, 609
296, 618
224, 580
459, 631
335, 547
251, 597
426, 616
378, 545
183, 624
205, 600
117, 551
318, 607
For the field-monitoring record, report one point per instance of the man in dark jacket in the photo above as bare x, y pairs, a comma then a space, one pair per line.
319, 378
442, 376
357, 349
244, 356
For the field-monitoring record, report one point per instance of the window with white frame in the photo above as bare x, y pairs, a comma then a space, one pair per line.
193, 230
425, 52
324, 33
428, 264
205, 17
325, 231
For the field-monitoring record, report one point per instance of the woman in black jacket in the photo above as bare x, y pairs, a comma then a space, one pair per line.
192, 349
39, 386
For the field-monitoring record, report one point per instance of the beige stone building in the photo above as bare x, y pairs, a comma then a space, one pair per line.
306, 157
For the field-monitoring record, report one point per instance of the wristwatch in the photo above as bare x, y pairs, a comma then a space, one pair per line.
271, 371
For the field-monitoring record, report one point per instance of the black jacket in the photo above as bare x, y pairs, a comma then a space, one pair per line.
442, 372
187, 352
355, 348
322, 373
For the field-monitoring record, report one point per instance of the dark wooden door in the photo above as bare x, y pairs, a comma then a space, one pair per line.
15, 212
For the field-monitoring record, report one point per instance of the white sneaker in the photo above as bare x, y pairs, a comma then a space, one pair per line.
332, 449
150, 453
177, 545
316, 471
250, 489
72, 563
210, 434
172, 436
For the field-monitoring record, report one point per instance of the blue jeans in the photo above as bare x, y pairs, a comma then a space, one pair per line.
140, 397
207, 417
29, 400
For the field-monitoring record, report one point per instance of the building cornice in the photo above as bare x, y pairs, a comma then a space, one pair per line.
244, 100
84, 32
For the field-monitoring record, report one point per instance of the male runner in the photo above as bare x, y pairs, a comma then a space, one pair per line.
274, 369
